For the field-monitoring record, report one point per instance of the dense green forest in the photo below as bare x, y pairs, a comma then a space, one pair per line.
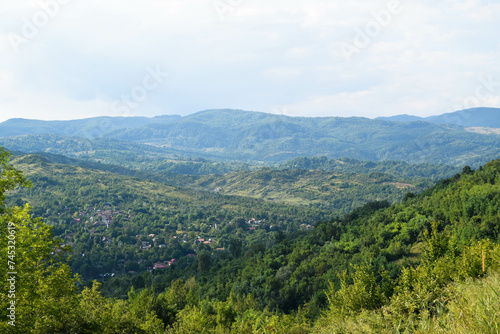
121, 224
118, 224
426, 264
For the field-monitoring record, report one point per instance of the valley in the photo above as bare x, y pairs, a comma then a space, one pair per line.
317, 243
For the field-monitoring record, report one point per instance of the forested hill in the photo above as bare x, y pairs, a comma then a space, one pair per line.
295, 269
83, 128
379, 241
398, 169
393, 268
91, 208
254, 136
475, 117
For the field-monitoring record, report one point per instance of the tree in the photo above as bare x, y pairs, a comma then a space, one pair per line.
437, 244
363, 294
10, 178
204, 261
235, 246
41, 293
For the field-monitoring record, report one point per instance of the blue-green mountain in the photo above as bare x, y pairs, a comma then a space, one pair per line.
254, 136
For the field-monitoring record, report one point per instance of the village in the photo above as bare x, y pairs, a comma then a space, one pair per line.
107, 226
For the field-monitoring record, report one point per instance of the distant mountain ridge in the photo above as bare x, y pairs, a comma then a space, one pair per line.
84, 128
254, 137
106, 125
476, 117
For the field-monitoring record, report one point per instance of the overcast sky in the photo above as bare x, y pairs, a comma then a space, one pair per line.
72, 59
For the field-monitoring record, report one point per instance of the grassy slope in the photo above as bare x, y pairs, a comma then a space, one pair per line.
341, 191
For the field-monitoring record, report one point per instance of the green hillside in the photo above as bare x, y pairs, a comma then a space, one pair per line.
71, 197
401, 261
466, 208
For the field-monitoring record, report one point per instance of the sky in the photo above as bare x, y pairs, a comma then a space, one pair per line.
70, 59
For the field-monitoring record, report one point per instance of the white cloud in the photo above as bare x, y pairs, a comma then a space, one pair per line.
260, 55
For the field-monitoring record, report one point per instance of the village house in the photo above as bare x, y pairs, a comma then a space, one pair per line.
159, 266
